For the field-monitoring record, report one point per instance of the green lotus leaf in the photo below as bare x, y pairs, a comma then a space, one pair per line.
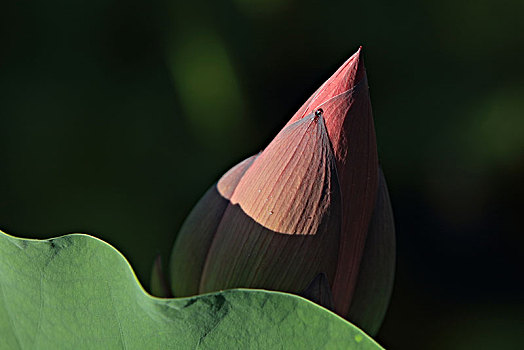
78, 292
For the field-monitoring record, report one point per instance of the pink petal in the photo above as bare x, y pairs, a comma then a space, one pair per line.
282, 226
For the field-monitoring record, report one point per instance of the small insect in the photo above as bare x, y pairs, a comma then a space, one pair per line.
319, 112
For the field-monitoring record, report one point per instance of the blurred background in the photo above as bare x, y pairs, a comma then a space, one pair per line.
116, 116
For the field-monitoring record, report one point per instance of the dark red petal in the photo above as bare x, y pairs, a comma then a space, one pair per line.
344, 99
357, 164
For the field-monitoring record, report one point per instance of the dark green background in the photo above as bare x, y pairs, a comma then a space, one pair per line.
116, 116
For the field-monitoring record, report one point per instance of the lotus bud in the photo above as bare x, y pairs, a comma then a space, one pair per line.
295, 217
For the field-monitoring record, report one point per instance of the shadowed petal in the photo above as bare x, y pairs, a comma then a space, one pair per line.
377, 269
319, 292
197, 232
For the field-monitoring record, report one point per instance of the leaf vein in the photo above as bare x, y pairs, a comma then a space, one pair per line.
120, 330
11, 323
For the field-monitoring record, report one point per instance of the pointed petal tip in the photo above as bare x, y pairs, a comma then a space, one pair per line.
357, 53
347, 77
359, 69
